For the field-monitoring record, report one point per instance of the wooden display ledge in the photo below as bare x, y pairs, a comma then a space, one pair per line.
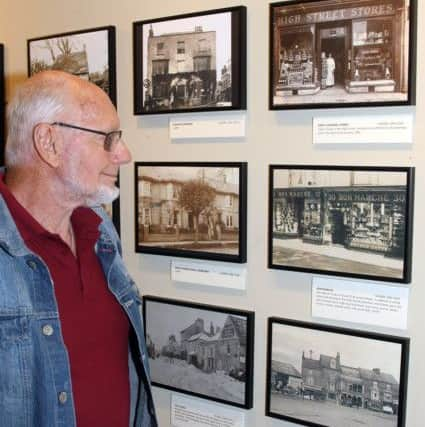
364, 86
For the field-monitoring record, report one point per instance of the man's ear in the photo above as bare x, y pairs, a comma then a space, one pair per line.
44, 137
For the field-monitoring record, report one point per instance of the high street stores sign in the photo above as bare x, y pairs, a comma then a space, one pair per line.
335, 15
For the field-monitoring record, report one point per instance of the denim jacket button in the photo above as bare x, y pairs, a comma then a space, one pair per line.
47, 330
63, 397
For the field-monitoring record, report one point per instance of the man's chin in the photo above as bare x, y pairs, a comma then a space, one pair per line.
103, 196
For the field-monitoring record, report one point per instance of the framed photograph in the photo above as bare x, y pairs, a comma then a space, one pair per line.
342, 220
201, 350
192, 210
324, 376
2, 107
344, 53
192, 62
89, 54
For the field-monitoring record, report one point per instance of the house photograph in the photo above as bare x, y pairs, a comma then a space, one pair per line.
83, 54
183, 207
196, 350
187, 62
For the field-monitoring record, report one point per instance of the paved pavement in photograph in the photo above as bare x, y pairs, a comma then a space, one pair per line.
338, 94
329, 414
294, 252
216, 246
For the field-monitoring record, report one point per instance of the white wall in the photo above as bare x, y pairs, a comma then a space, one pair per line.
272, 137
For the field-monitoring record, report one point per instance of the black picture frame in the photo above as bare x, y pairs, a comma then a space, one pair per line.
2, 107
327, 54
323, 376
95, 61
187, 65
210, 347
200, 204
354, 221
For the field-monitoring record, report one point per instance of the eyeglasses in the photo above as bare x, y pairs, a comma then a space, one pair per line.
111, 138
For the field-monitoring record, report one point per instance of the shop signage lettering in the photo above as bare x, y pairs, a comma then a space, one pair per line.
297, 193
336, 15
366, 197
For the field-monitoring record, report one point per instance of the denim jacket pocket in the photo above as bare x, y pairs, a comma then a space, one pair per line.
12, 329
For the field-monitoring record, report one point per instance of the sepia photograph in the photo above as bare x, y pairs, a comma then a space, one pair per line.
193, 210
325, 376
89, 54
199, 349
342, 220
191, 62
342, 53
2, 107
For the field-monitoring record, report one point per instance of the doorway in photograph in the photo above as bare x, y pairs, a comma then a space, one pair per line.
333, 50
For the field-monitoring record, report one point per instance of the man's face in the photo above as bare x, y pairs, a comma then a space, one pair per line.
88, 172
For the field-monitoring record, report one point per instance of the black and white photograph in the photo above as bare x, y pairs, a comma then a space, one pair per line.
342, 53
89, 54
191, 62
199, 349
2, 106
342, 220
193, 210
325, 376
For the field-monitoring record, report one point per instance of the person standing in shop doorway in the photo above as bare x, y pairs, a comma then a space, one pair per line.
72, 347
330, 75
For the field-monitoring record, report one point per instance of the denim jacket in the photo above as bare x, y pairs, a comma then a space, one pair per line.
35, 381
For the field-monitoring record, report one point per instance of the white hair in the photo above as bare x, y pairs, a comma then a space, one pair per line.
40, 99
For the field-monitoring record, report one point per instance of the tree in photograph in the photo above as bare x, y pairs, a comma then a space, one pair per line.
196, 196
38, 65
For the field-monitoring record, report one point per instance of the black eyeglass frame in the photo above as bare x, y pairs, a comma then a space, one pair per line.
107, 143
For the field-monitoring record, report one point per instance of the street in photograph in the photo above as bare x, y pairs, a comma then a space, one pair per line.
334, 380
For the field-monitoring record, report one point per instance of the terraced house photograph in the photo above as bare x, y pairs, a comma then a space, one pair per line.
186, 208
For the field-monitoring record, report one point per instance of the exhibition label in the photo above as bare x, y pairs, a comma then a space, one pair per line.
217, 275
358, 302
232, 126
195, 413
391, 129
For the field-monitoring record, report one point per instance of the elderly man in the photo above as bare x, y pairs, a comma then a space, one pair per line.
72, 351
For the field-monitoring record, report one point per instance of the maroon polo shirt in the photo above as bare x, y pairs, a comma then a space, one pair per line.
95, 328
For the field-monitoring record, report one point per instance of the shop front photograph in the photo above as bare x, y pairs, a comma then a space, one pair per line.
341, 52
341, 221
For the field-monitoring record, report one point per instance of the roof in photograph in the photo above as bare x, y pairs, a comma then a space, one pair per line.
239, 325
174, 175
285, 368
377, 375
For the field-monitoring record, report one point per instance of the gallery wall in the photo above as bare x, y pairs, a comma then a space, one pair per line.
271, 137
